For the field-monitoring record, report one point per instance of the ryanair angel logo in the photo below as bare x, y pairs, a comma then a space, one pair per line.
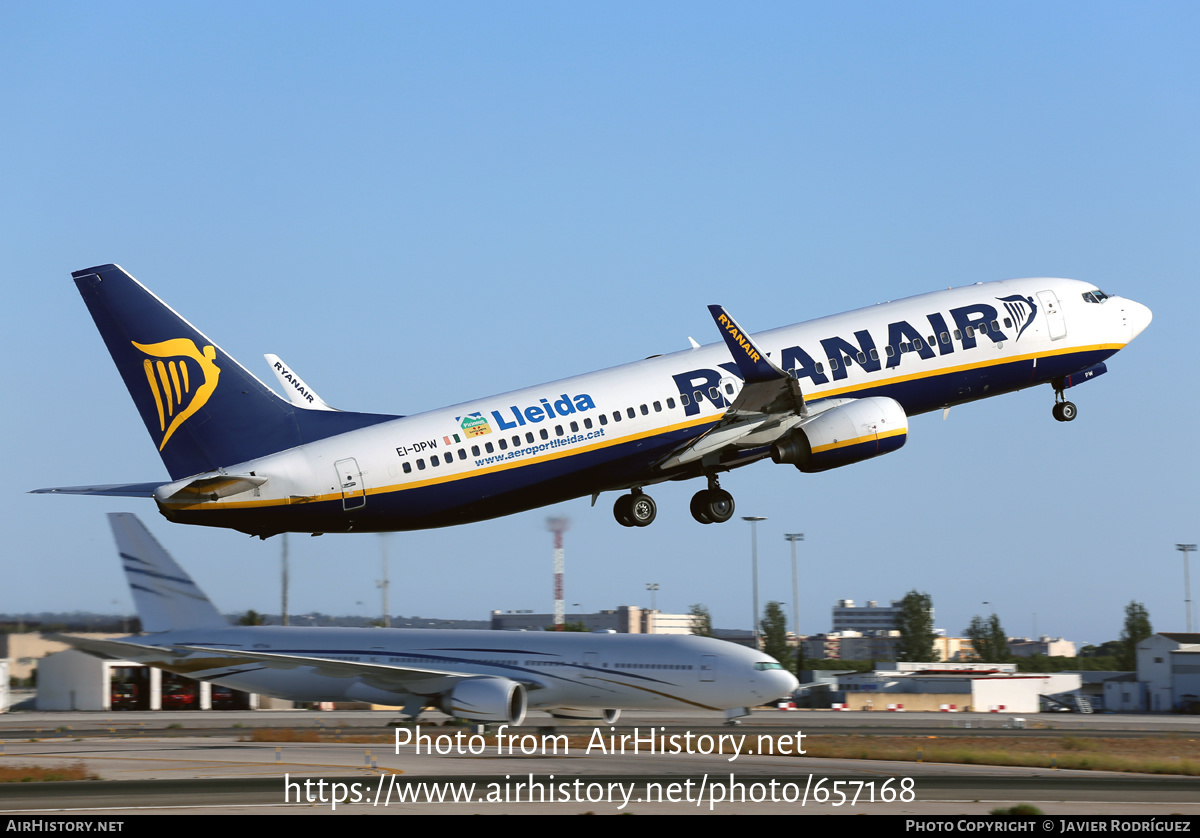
181, 378
1022, 309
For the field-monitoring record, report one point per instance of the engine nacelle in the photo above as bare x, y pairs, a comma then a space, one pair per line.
486, 700
849, 433
608, 717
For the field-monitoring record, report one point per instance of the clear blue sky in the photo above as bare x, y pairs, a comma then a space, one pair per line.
417, 204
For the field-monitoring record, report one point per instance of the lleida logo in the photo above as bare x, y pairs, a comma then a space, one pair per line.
474, 424
182, 377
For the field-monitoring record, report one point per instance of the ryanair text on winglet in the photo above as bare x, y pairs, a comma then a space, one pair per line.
737, 335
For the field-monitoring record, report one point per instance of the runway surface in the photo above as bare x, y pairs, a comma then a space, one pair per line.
202, 766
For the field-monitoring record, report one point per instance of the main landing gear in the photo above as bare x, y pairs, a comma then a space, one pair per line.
712, 505
1064, 411
709, 506
635, 509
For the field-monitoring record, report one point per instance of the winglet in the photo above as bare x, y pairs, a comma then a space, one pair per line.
753, 363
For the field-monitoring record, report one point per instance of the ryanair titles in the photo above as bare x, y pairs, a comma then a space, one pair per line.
564, 405
905, 341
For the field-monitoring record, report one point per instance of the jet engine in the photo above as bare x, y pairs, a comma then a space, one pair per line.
855, 430
608, 717
486, 700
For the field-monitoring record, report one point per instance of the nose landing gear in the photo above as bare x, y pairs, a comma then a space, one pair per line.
1064, 411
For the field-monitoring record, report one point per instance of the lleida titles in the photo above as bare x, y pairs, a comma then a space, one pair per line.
564, 405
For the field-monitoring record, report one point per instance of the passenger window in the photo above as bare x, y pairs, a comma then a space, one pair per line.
820, 367
603, 419
874, 354
645, 410
529, 437
917, 344
670, 404
658, 407
833, 364
516, 440
970, 331
729, 389
462, 454
487, 446
420, 465
714, 393
407, 466
630, 412
616, 416
503, 444
995, 326
890, 350
434, 461
945, 337
983, 328
1008, 322
574, 427
862, 359
684, 400
699, 396
587, 423
449, 456
545, 433
957, 334
558, 429
474, 450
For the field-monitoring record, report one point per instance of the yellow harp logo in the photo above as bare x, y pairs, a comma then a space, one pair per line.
181, 378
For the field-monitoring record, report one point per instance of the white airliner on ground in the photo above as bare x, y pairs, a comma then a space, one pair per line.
483, 676
816, 395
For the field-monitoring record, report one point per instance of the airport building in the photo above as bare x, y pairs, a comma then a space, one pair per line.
960, 687
625, 619
865, 618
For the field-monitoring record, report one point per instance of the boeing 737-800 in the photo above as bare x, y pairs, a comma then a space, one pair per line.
817, 395
482, 676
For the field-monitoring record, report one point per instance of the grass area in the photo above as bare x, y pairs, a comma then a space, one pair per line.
38, 774
1178, 755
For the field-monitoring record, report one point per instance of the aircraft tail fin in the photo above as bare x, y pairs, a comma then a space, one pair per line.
202, 408
165, 596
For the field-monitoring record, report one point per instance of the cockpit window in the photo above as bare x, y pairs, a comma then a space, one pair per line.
1096, 296
765, 665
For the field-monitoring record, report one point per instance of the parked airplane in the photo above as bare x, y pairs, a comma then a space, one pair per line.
483, 676
817, 395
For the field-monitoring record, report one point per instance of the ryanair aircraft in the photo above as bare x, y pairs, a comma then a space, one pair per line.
483, 676
817, 395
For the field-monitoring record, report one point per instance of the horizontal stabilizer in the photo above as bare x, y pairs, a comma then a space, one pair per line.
208, 488
111, 490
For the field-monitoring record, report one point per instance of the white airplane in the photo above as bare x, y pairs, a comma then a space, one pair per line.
817, 395
482, 676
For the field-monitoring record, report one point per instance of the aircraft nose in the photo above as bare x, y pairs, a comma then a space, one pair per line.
781, 683
1137, 317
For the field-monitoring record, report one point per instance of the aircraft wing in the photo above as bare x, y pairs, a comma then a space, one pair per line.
769, 405
112, 490
207, 663
381, 675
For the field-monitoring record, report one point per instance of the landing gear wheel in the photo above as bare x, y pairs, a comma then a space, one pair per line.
642, 510
712, 506
1065, 411
623, 510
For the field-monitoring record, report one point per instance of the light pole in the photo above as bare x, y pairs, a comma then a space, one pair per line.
793, 537
1187, 583
754, 519
652, 587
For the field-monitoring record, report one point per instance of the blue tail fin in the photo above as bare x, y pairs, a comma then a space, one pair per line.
165, 596
203, 409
